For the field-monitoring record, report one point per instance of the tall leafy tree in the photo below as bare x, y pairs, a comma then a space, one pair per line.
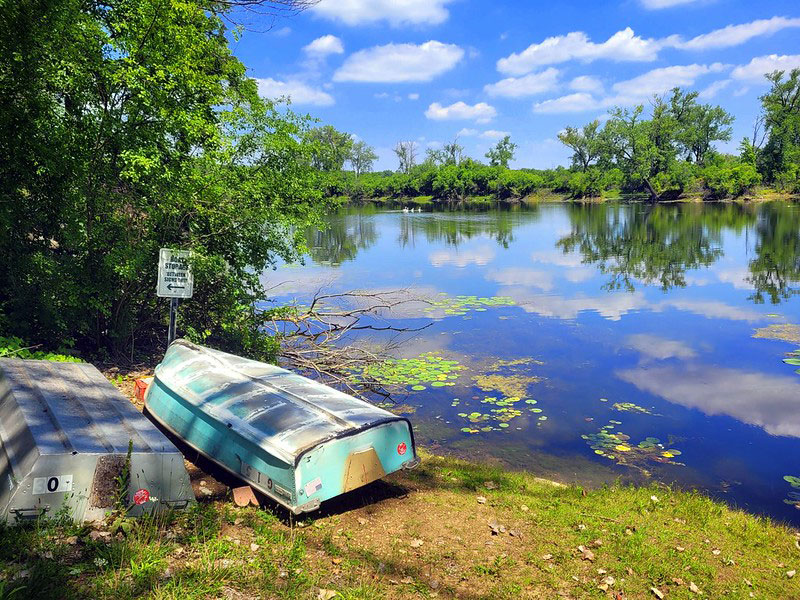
362, 156
331, 148
586, 143
781, 108
128, 125
502, 153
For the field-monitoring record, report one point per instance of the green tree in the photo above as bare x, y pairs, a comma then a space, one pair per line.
361, 157
406, 153
781, 111
331, 148
128, 125
502, 153
586, 143
630, 141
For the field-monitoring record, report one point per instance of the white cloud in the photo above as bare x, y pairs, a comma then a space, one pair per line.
622, 46
413, 96
466, 132
658, 4
282, 32
755, 70
659, 348
625, 45
494, 134
480, 112
299, 92
522, 276
636, 90
713, 89
577, 102
767, 401
482, 255
733, 35
660, 80
395, 12
528, 85
586, 83
396, 63
323, 46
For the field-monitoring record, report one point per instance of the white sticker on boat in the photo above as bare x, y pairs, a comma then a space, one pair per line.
313, 486
52, 484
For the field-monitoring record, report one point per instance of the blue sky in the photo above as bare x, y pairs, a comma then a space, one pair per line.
430, 70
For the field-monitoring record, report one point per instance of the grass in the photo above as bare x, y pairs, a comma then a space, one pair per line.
422, 534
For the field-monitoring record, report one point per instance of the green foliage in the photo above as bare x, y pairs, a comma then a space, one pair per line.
129, 126
331, 148
14, 347
780, 157
730, 180
502, 153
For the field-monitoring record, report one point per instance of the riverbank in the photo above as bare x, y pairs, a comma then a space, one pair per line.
449, 529
549, 196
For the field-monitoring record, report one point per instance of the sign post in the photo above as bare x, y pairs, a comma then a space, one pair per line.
175, 281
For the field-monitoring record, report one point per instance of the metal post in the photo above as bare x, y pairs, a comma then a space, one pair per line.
173, 314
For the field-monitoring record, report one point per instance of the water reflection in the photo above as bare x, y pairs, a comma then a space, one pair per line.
347, 233
776, 268
653, 306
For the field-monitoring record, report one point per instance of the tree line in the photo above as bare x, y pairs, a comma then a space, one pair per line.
662, 151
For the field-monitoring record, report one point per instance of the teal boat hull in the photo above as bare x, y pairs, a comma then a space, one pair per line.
292, 439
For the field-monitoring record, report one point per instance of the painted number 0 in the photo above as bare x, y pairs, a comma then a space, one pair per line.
52, 484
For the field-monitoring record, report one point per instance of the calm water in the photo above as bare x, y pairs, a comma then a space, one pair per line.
652, 306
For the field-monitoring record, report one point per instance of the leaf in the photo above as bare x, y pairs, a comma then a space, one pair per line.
657, 593
693, 588
323, 594
586, 554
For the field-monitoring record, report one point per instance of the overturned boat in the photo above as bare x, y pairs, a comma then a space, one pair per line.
293, 439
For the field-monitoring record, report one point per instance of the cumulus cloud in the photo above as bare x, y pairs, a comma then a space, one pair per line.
413, 96
660, 80
586, 83
298, 91
733, 35
755, 70
528, 85
622, 46
494, 134
480, 112
626, 46
323, 46
467, 132
396, 13
713, 89
577, 102
631, 91
397, 63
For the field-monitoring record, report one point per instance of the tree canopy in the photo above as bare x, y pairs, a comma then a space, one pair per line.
128, 125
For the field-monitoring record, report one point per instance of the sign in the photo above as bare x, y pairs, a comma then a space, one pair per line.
175, 279
141, 496
52, 484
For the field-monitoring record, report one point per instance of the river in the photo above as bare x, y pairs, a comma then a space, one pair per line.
590, 342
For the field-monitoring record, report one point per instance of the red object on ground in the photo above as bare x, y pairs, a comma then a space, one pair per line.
140, 387
141, 496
